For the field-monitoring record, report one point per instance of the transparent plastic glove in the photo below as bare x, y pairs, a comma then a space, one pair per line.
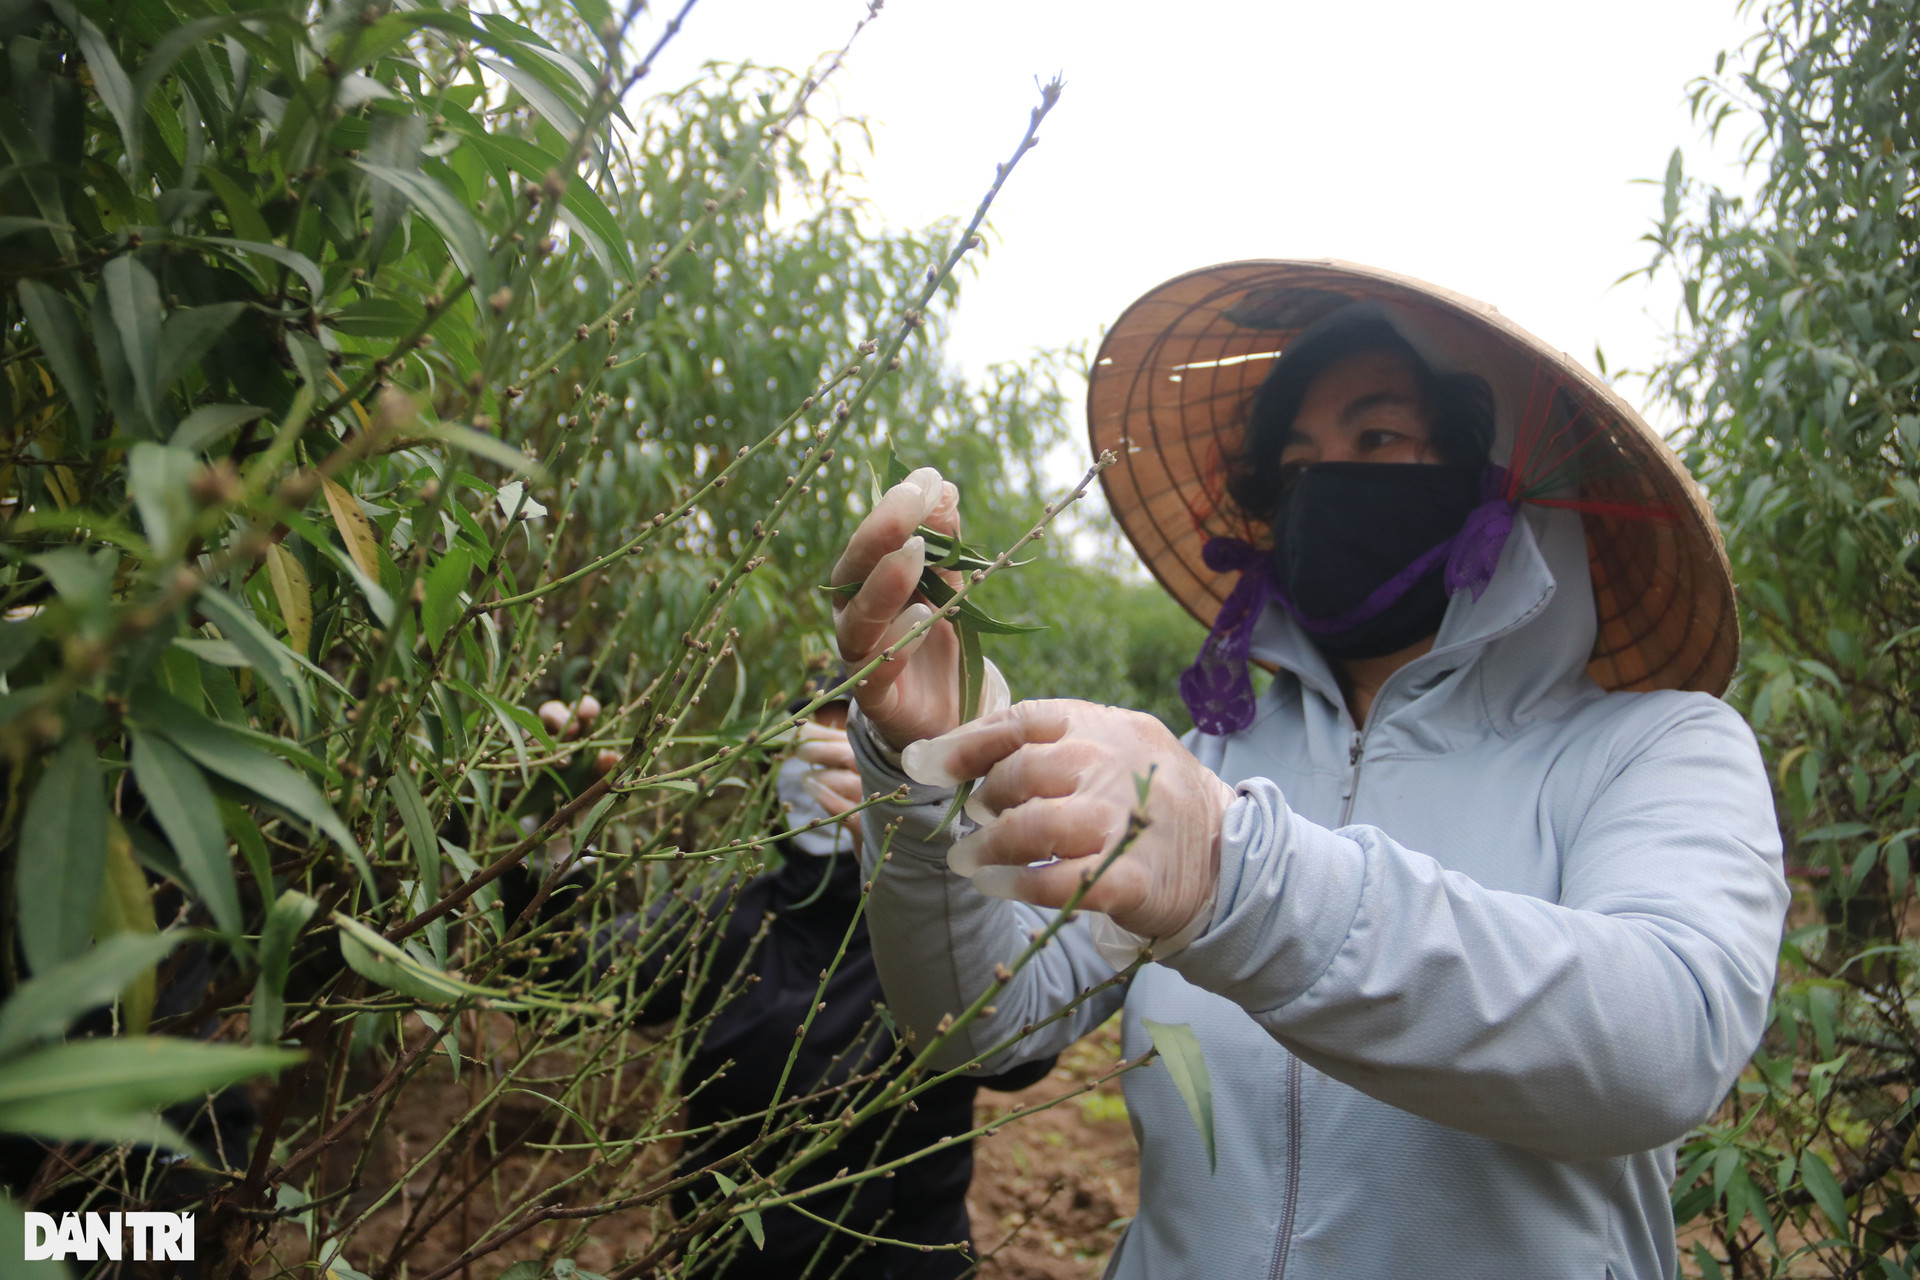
820, 781
1060, 781
916, 694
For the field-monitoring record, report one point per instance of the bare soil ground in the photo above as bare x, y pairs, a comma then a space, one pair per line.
1052, 1191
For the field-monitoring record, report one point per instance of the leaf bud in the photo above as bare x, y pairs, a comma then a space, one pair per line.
217, 485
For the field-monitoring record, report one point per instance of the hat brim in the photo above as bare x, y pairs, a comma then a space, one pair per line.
1174, 377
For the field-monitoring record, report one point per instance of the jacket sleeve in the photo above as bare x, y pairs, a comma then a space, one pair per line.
936, 940
1605, 1023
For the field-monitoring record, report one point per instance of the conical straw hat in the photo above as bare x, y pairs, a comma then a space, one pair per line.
1173, 381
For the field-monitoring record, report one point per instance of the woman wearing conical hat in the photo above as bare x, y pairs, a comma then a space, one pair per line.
1472, 912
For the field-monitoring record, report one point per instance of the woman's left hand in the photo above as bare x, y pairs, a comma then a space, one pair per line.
1061, 779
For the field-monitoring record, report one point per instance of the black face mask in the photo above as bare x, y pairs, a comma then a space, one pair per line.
1346, 530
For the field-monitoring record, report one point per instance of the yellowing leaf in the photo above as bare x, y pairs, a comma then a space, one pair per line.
294, 594
355, 529
63, 487
125, 906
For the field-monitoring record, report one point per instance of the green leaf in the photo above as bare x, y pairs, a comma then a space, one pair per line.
13, 1244
1825, 1190
517, 504
45, 1006
378, 317
210, 423
299, 263
589, 213
63, 340
110, 80
444, 584
284, 921
186, 810
270, 659
1188, 1067
750, 1217
220, 750
426, 850
158, 476
249, 227
553, 107
416, 980
448, 215
168, 49
83, 580
63, 856
480, 444
253, 846
394, 143
104, 1090
188, 335
133, 300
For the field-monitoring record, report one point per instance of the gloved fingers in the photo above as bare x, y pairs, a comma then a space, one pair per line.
1055, 827
860, 622
995, 697
1036, 769
878, 685
1114, 890
891, 522
975, 747
837, 790
827, 748
944, 514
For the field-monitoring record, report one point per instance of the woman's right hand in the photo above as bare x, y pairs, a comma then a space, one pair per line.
915, 694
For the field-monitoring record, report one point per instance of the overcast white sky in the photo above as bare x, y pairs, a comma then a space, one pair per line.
1486, 145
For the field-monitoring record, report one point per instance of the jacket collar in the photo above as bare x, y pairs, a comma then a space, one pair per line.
1526, 639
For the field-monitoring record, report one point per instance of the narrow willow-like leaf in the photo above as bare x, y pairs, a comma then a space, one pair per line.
63, 855
185, 807
284, 922
133, 300
234, 757
270, 659
1180, 1050
294, 595
125, 910
106, 1089
750, 1218
45, 1006
415, 821
63, 341
355, 529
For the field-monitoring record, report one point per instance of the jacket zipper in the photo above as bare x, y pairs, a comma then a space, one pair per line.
1356, 749
1284, 1245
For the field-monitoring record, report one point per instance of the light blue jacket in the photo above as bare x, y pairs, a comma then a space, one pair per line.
1474, 969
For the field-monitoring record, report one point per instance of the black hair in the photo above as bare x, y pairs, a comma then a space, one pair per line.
1459, 408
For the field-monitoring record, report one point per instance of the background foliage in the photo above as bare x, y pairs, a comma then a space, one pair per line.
1795, 372
371, 376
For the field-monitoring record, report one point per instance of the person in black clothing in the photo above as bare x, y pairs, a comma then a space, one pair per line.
807, 905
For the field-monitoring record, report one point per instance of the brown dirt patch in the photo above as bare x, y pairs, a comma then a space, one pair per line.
1052, 1191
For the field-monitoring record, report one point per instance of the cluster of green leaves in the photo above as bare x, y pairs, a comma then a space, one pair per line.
1795, 372
373, 374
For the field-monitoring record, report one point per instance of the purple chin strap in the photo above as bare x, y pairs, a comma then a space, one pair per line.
1218, 689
